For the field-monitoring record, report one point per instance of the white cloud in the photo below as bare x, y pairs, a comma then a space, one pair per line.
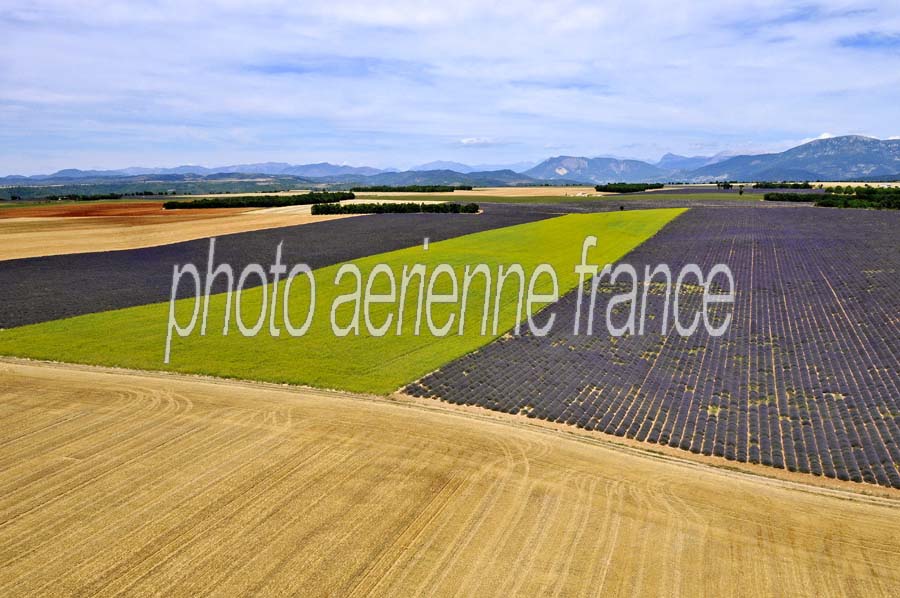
476, 141
403, 81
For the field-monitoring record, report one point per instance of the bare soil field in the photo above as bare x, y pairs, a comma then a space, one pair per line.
123, 482
104, 209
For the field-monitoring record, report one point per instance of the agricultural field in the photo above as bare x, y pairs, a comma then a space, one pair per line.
61, 228
117, 482
137, 337
109, 280
497, 464
805, 378
500, 192
84, 209
642, 200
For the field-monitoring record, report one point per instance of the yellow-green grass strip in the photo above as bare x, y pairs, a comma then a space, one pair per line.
135, 337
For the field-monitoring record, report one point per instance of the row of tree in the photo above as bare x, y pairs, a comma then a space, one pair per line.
781, 185
92, 196
627, 187
394, 208
846, 197
262, 201
411, 188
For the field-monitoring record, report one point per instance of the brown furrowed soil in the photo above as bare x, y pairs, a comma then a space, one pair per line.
108, 209
126, 482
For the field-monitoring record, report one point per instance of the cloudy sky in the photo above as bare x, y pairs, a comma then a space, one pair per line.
106, 85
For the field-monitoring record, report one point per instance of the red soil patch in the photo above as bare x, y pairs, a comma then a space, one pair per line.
129, 209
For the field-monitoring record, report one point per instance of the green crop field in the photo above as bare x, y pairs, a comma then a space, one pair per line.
136, 337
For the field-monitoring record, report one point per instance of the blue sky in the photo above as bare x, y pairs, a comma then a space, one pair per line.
108, 85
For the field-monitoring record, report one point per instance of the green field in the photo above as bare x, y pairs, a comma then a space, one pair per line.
135, 337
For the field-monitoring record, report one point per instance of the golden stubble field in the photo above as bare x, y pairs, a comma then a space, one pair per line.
40, 231
498, 192
142, 483
40, 236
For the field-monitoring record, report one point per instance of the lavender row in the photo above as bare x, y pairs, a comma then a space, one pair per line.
805, 378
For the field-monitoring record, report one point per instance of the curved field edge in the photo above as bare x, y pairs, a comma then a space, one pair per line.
354, 495
844, 489
803, 380
135, 337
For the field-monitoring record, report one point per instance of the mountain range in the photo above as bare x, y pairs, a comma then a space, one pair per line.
850, 157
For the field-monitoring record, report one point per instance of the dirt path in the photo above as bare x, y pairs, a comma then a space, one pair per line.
123, 481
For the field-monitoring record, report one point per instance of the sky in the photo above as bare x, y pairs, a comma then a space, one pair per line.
93, 84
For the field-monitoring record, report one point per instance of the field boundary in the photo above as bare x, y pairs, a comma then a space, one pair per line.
868, 493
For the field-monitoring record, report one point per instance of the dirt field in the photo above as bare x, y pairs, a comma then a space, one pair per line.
106, 209
123, 482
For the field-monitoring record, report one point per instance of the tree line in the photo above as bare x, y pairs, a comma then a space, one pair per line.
262, 201
411, 188
627, 187
781, 185
394, 208
884, 198
88, 196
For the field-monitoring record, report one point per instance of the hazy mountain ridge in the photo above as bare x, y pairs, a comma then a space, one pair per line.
836, 158
595, 170
492, 178
468, 168
850, 157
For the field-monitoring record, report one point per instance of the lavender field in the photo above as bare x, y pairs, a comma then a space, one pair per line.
805, 379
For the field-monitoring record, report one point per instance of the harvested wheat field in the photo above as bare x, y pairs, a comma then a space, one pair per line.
43, 236
59, 230
124, 482
540, 191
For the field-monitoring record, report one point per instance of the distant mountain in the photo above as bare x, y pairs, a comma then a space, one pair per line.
851, 157
321, 169
676, 162
492, 178
444, 165
84, 177
596, 170
466, 168
324, 169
